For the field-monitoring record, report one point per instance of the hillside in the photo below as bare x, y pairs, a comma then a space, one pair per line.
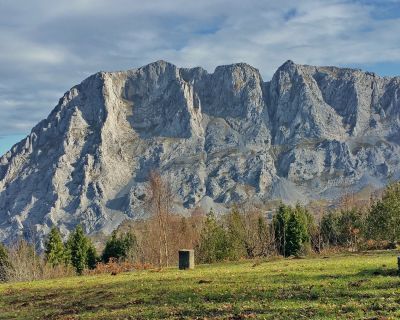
353, 286
310, 133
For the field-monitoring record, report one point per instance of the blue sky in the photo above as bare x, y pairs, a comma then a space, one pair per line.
49, 46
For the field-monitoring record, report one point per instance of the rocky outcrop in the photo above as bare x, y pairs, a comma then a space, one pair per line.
219, 138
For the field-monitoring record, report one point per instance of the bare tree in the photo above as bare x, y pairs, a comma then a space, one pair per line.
160, 204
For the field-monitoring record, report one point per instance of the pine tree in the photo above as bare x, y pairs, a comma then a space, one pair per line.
213, 244
330, 229
121, 247
54, 248
92, 257
383, 221
294, 234
78, 246
280, 224
292, 227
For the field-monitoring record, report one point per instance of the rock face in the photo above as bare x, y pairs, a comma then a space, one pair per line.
219, 138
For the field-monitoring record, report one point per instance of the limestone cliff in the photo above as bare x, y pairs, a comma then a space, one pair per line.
219, 138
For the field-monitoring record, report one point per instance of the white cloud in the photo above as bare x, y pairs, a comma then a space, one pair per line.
49, 46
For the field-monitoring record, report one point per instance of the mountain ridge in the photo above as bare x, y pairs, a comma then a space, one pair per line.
220, 137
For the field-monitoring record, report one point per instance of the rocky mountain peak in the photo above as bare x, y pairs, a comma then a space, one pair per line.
219, 138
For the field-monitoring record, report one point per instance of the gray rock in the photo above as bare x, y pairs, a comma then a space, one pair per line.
218, 138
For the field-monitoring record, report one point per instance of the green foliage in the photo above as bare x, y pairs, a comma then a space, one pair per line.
54, 248
122, 247
294, 234
213, 244
5, 264
342, 227
292, 228
92, 257
80, 251
383, 221
279, 223
236, 235
350, 223
330, 229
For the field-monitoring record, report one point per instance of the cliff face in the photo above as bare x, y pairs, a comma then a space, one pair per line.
219, 138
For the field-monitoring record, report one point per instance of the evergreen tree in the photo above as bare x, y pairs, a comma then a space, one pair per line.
5, 264
330, 229
350, 222
92, 257
280, 225
292, 229
54, 248
213, 244
121, 247
383, 221
78, 246
294, 234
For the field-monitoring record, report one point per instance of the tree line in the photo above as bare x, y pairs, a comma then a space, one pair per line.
243, 233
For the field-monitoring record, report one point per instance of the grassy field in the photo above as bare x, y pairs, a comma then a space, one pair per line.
354, 286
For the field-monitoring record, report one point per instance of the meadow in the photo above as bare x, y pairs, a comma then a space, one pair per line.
341, 286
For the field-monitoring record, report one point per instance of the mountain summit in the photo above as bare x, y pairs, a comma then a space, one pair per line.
220, 138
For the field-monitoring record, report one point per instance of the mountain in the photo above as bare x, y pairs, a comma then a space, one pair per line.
309, 133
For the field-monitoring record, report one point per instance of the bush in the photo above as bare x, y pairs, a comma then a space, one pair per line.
26, 263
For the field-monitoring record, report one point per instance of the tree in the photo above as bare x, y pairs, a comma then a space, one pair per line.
342, 227
92, 257
236, 235
26, 264
295, 234
5, 264
383, 220
263, 236
280, 224
81, 252
160, 204
256, 231
330, 229
120, 247
292, 228
350, 222
213, 244
54, 248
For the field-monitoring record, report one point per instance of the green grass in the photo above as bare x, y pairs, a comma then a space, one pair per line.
353, 286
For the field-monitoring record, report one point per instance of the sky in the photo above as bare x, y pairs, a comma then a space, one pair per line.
47, 46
